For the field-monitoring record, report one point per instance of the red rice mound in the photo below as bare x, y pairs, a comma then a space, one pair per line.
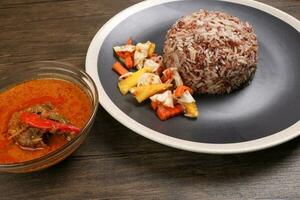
215, 53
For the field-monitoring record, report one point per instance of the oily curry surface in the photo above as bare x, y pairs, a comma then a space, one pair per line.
68, 98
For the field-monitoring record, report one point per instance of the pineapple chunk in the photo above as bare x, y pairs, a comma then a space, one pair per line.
188, 103
141, 53
151, 49
142, 93
124, 48
190, 109
131, 81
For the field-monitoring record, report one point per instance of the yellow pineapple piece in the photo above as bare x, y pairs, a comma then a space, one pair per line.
191, 109
131, 81
151, 49
142, 93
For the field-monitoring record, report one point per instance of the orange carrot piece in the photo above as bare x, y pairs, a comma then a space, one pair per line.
127, 53
118, 67
154, 105
165, 113
120, 54
160, 69
178, 109
124, 54
128, 61
129, 41
167, 75
181, 89
126, 58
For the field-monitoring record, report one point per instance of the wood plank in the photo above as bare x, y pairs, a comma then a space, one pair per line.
271, 174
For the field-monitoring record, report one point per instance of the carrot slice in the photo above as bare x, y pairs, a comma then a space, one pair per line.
118, 67
154, 105
124, 54
160, 69
181, 89
167, 75
127, 58
129, 41
128, 61
165, 113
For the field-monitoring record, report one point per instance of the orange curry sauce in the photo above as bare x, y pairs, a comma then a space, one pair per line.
68, 98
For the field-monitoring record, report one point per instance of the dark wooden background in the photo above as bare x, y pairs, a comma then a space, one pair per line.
114, 162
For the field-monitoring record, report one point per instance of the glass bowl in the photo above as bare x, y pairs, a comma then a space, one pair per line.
45, 70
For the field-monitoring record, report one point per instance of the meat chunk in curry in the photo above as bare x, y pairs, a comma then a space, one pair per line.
31, 128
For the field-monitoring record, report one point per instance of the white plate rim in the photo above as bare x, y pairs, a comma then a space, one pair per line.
230, 148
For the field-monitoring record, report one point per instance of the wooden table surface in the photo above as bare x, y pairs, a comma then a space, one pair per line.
114, 162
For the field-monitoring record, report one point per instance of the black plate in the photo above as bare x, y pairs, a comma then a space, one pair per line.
268, 105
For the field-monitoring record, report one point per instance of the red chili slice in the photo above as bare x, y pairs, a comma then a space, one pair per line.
36, 121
